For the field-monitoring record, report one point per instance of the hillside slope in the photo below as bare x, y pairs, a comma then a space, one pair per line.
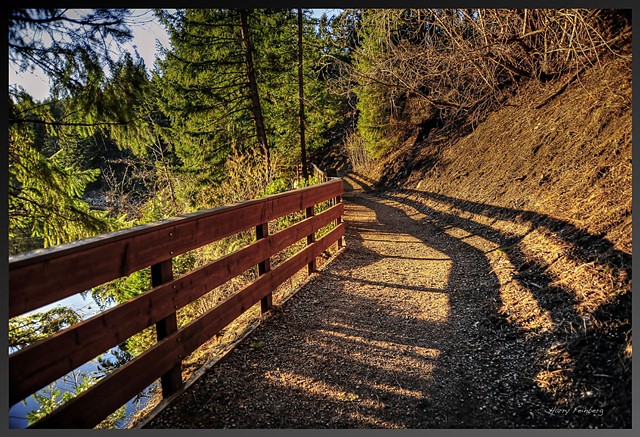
570, 158
546, 179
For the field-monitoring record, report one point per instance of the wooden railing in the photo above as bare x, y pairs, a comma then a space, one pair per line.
45, 276
319, 174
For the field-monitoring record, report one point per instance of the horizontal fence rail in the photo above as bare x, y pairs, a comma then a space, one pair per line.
45, 276
319, 174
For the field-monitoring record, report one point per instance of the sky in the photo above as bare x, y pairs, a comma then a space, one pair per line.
147, 34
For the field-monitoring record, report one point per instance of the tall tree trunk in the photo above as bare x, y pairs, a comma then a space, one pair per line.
253, 90
303, 146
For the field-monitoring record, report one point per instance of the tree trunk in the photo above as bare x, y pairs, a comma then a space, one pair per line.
303, 146
253, 91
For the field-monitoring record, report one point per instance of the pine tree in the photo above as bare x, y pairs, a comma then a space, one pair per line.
207, 93
44, 196
92, 94
375, 101
203, 90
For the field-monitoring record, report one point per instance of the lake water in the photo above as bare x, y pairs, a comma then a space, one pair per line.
86, 307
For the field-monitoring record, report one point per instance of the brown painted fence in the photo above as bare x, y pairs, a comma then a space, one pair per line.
319, 174
45, 276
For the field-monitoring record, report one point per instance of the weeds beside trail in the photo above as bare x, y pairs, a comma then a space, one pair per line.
405, 330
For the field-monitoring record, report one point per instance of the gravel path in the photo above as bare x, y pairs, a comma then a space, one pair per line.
398, 331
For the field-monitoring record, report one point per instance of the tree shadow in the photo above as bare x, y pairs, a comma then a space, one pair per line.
599, 376
361, 180
469, 393
585, 245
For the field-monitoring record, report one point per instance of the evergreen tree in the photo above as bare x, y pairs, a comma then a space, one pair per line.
207, 95
92, 93
303, 146
44, 196
277, 51
254, 97
375, 101
203, 90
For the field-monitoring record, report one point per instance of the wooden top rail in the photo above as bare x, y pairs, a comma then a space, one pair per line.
117, 254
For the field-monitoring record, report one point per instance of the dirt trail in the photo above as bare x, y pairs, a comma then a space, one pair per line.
399, 331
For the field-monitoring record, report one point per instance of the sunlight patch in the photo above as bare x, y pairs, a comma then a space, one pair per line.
519, 305
398, 391
373, 422
428, 273
405, 360
556, 377
472, 239
295, 381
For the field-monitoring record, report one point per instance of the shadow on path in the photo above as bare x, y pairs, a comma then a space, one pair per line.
599, 377
400, 331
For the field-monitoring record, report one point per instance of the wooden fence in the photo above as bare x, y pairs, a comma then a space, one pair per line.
319, 174
45, 276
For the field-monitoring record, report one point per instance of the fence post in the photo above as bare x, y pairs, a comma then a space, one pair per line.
338, 199
162, 273
311, 238
262, 231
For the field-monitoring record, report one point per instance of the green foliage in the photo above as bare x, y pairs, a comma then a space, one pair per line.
184, 263
140, 342
373, 118
277, 53
375, 102
45, 194
27, 329
278, 185
123, 289
203, 89
52, 396
50, 143
93, 87
118, 107
48, 399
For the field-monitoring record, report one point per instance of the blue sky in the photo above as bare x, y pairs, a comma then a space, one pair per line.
147, 34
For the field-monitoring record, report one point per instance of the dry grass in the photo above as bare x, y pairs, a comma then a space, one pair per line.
360, 159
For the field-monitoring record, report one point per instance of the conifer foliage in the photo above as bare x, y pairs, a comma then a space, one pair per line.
229, 85
46, 183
